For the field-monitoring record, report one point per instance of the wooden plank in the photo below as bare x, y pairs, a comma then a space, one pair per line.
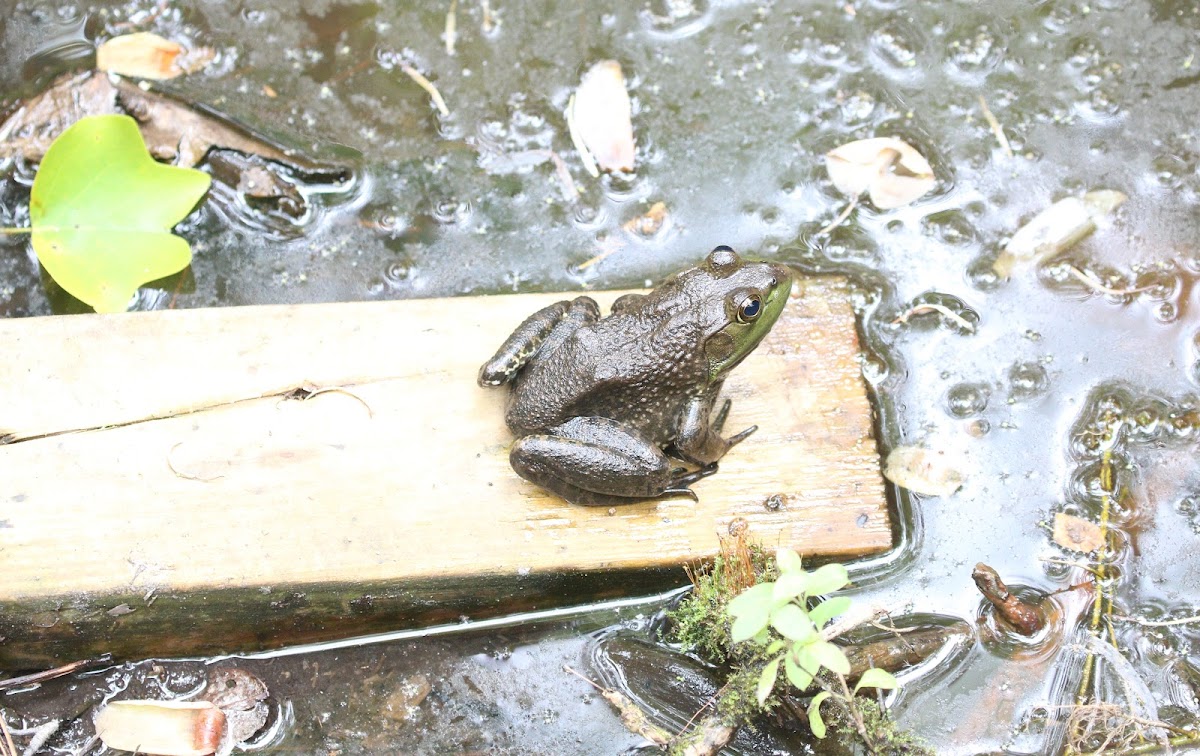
155, 460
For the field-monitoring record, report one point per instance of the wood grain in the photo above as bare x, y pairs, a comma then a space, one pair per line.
159, 454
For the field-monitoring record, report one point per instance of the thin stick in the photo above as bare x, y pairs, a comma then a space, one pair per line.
997, 129
489, 22
1153, 623
427, 85
920, 309
50, 674
41, 734
11, 750
1091, 281
15, 231
451, 27
843, 216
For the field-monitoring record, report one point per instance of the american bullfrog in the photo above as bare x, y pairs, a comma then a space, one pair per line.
600, 406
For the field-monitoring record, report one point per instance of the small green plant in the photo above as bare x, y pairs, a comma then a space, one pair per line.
101, 210
776, 615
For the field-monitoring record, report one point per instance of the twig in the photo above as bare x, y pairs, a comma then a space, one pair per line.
51, 674
632, 716
712, 700
851, 620
41, 734
1089, 279
841, 217
428, 86
9, 748
489, 21
921, 309
1107, 485
997, 129
451, 27
1156, 623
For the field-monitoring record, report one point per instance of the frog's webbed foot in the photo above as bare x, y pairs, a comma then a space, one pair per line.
718, 424
543, 330
682, 477
699, 439
595, 461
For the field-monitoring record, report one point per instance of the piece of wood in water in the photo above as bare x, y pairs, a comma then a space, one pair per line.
225, 480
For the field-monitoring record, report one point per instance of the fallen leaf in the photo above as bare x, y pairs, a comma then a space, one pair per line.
148, 56
242, 697
890, 170
167, 728
649, 223
599, 117
925, 471
101, 211
1058, 227
1076, 533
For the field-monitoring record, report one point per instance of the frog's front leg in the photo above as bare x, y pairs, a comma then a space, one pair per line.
595, 461
543, 330
699, 439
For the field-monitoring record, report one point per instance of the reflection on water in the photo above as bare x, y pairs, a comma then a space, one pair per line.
734, 104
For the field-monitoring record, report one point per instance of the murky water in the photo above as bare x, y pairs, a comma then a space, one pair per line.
734, 105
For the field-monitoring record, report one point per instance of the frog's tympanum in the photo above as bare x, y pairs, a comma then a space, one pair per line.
601, 406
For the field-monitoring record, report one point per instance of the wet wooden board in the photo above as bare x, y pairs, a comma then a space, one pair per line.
164, 492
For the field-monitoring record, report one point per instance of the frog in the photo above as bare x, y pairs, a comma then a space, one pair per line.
619, 409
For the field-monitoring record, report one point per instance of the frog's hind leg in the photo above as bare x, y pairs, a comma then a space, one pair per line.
599, 462
543, 330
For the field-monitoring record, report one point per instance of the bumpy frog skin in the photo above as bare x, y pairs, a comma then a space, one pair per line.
600, 406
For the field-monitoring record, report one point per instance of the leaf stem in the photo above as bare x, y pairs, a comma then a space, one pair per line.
12, 231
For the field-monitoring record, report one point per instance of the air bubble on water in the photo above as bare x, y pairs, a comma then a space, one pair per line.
1026, 380
967, 399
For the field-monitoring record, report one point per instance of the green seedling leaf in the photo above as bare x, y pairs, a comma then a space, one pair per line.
827, 579
814, 714
766, 681
828, 609
790, 585
788, 560
828, 655
877, 678
795, 674
751, 610
793, 623
102, 209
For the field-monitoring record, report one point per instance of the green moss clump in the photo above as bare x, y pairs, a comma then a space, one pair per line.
883, 736
700, 624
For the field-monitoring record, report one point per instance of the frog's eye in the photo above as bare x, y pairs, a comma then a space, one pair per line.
749, 309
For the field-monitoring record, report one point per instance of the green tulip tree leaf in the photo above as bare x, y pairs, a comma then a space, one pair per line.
102, 209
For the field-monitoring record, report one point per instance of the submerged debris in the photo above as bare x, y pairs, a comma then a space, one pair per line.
889, 170
230, 710
926, 471
600, 119
1057, 228
167, 728
1025, 618
1076, 533
148, 56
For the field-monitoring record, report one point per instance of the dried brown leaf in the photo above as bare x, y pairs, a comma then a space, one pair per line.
1076, 533
148, 56
890, 170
